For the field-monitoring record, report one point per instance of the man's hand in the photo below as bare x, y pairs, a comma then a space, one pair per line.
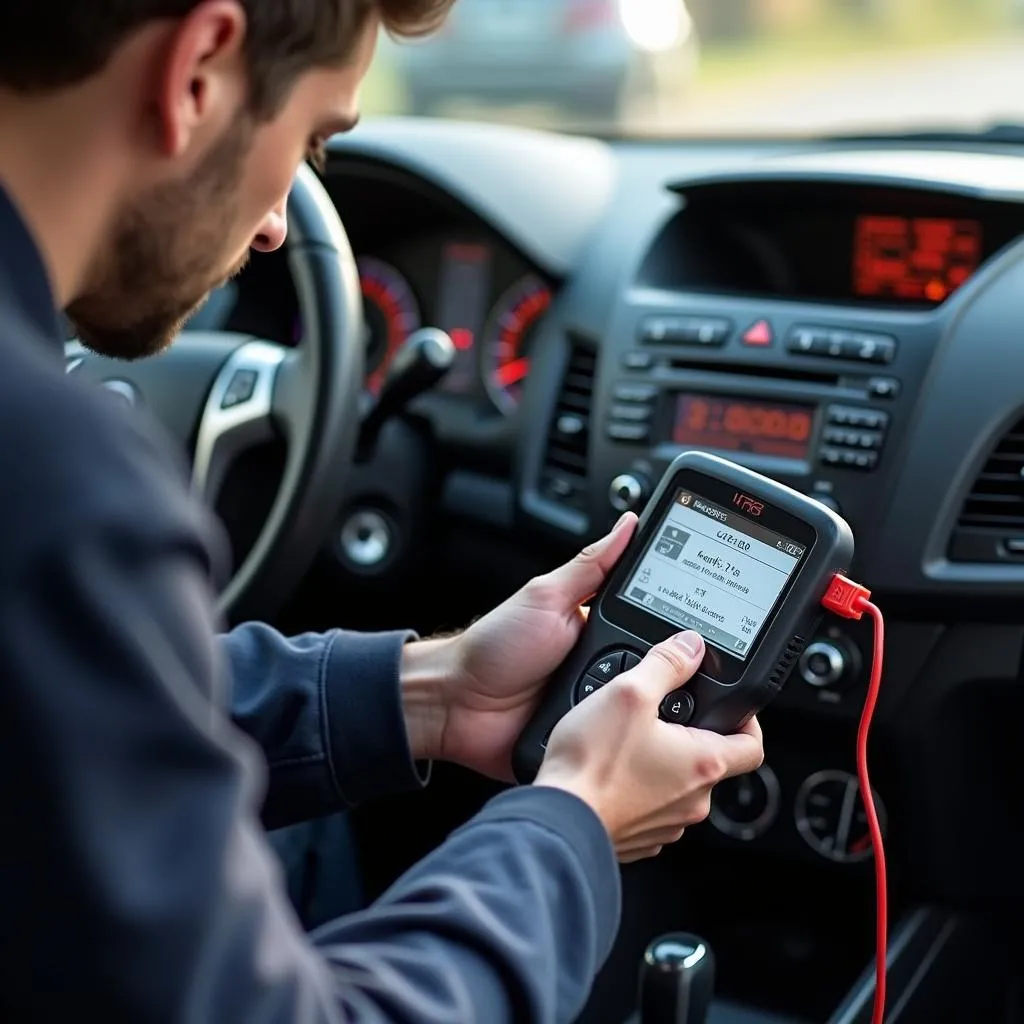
494, 673
646, 779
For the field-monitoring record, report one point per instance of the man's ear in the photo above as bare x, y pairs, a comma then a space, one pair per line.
201, 79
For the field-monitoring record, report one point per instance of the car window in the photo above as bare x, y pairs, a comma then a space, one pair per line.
700, 67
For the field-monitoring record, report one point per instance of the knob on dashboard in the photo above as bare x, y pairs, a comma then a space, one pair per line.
628, 491
823, 664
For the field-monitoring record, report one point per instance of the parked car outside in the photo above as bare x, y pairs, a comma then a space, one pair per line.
591, 58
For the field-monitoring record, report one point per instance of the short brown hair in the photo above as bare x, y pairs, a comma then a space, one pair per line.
48, 46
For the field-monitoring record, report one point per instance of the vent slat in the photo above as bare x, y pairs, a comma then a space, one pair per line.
996, 500
564, 473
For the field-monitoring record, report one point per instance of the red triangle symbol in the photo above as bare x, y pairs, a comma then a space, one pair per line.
758, 334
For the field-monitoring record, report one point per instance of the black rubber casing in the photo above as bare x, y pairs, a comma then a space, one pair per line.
726, 691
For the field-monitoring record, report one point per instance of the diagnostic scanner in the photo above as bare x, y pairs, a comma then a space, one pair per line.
740, 558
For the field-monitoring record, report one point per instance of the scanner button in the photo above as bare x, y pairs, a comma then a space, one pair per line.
588, 685
607, 667
629, 660
677, 707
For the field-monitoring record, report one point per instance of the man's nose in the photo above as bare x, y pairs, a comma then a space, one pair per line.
274, 229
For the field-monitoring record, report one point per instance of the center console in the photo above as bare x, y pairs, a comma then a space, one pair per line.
787, 325
853, 337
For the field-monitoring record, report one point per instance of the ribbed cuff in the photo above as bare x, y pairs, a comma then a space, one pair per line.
368, 744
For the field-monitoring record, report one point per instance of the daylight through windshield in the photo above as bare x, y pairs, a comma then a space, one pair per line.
738, 67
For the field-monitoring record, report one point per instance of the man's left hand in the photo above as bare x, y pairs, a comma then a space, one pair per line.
502, 662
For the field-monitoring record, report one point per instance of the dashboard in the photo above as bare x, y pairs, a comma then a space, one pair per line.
842, 316
420, 265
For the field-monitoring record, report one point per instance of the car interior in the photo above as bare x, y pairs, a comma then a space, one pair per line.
842, 314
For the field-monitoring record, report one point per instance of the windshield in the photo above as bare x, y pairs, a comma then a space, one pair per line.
700, 67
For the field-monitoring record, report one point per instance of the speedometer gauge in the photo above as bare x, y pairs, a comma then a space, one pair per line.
508, 338
391, 314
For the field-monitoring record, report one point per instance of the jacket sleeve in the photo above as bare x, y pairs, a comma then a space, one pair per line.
326, 710
135, 880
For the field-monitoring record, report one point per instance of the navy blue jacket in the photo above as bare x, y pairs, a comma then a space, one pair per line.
142, 755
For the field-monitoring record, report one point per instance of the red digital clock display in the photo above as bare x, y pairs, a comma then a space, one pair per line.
748, 425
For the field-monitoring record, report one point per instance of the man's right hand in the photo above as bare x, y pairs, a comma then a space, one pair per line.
646, 779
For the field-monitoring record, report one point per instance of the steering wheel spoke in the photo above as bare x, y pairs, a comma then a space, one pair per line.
239, 413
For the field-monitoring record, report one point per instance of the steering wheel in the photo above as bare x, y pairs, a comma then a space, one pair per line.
218, 393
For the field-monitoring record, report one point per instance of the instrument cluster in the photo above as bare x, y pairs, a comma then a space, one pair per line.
482, 296
487, 299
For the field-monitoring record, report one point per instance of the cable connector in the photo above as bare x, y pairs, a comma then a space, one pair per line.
846, 598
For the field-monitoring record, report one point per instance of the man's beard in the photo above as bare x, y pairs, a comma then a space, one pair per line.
166, 255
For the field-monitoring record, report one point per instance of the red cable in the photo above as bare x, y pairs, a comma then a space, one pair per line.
877, 845
852, 601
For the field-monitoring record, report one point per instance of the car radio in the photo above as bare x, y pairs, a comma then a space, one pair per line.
803, 429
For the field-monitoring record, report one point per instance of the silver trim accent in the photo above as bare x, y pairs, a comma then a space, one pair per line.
122, 388
224, 433
748, 831
74, 355
836, 664
633, 489
366, 538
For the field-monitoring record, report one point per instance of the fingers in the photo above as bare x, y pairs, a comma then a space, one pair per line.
752, 728
740, 753
577, 581
668, 665
630, 857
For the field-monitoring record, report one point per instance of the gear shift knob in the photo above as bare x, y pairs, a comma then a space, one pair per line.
423, 360
677, 980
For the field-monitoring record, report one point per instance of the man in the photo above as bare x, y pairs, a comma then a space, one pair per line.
145, 145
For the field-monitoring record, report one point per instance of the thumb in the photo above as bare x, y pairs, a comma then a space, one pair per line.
577, 581
670, 664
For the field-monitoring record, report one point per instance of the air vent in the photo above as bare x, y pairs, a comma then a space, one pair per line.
991, 523
564, 473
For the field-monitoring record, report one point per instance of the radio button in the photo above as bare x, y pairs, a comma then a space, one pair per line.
637, 361
631, 413
870, 348
884, 387
628, 432
634, 392
869, 419
853, 438
835, 344
685, 330
808, 341
849, 459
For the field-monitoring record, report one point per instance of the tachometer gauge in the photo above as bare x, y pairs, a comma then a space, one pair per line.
508, 337
391, 314
830, 815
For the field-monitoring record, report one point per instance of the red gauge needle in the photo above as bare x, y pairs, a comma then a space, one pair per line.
512, 373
